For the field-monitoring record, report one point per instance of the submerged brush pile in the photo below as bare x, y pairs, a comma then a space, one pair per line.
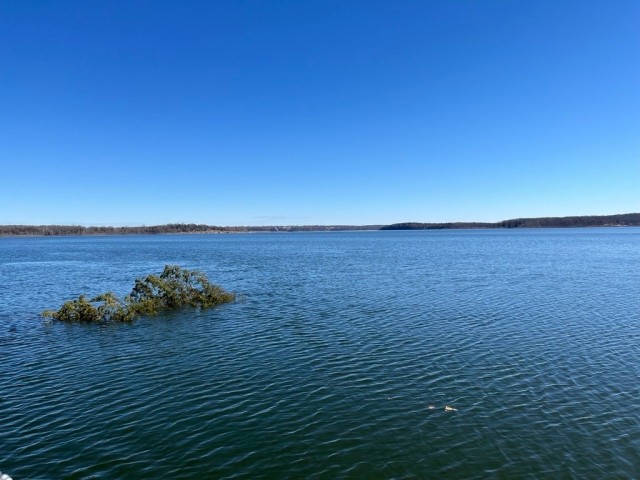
174, 288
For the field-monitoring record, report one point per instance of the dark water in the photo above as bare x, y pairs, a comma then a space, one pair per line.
327, 365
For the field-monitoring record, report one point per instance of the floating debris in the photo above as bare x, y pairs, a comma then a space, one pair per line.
4, 476
448, 408
431, 407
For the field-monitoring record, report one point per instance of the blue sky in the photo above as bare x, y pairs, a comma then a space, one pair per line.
317, 112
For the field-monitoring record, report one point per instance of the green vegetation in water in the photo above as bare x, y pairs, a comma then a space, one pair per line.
174, 288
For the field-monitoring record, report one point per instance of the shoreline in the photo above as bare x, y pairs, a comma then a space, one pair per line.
600, 221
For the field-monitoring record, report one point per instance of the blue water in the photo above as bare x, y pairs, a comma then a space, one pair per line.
327, 365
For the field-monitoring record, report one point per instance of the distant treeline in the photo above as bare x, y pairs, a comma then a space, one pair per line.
60, 230
625, 219
80, 230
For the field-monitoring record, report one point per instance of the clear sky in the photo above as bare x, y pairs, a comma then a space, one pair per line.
317, 112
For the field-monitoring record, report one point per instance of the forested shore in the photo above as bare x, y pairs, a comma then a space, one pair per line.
173, 228
621, 220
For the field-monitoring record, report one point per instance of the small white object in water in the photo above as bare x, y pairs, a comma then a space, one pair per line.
4, 476
447, 408
431, 407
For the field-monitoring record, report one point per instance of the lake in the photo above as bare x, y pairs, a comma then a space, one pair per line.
336, 361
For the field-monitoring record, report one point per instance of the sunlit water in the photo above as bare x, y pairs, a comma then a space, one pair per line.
328, 363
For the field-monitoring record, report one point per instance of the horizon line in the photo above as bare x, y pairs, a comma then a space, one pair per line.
213, 226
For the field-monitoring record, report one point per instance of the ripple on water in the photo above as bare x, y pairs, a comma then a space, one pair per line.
328, 365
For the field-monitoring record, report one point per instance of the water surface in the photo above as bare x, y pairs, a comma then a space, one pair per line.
327, 365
